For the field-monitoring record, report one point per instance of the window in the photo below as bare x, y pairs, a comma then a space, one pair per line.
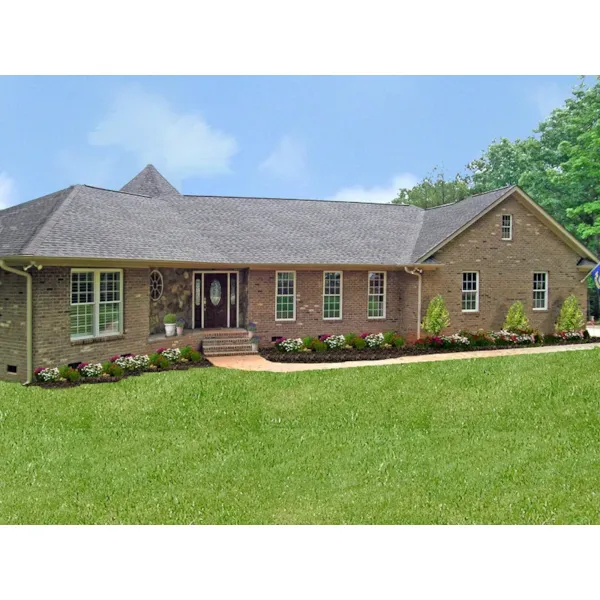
540, 291
507, 227
96, 303
285, 296
156, 285
470, 291
332, 295
376, 303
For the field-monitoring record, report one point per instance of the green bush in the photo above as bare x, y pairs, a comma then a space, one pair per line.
359, 343
350, 337
185, 352
398, 341
319, 346
112, 369
388, 336
308, 341
571, 316
170, 319
68, 373
437, 316
195, 356
516, 319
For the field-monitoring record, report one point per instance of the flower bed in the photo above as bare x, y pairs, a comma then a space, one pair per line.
389, 345
119, 367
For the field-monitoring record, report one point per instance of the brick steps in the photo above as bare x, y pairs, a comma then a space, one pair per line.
227, 343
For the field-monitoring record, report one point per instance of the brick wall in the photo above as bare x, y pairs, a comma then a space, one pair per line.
400, 314
13, 316
505, 270
52, 343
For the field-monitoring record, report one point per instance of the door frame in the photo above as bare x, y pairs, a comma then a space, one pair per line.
237, 296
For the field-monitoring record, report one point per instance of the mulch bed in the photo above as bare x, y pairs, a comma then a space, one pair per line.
274, 355
85, 380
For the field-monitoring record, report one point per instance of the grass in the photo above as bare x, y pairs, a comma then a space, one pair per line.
502, 440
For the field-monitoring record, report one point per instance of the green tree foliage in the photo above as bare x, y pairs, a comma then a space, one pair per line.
571, 316
437, 316
515, 318
434, 190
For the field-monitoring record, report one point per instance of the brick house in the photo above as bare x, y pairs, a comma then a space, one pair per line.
86, 273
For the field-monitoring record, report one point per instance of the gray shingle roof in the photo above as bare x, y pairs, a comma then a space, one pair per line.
88, 222
149, 182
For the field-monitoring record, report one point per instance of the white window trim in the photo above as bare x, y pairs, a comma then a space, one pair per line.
546, 292
508, 239
333, 295
463, 291
276, 296
96, 304
384, 295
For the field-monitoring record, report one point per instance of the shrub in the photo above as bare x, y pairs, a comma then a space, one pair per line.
437, 316
180, 322
170, 319
319, 346
479, 339
359, 343
335, 342
185, 352
397, 341
308, 342
571, 316
195, 356
350, 337
515, 318
47, 375
374, 340
113, 369
72, 375
94, 370
388, 336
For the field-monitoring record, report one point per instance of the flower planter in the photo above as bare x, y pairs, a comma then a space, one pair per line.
254, 347
594, 330
169, 329
180, 331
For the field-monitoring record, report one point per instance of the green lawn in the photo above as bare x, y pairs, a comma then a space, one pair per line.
503, 440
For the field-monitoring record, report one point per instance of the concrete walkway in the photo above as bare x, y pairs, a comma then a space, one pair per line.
254, 362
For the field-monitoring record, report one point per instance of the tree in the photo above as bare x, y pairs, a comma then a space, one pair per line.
434, 190
437, 316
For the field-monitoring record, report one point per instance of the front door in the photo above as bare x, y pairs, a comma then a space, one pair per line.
215, 300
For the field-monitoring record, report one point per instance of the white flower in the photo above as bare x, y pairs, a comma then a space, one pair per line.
374, 340
291, 345
334, 342
172, 354
94, 370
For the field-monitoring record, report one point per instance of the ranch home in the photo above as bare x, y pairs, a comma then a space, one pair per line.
86, 273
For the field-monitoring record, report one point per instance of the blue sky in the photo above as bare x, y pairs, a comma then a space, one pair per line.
352, 138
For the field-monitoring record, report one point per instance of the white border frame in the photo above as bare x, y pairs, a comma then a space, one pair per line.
341, 297
546, 290
384, 295
295, 294
96, 319
462, 291
162, 282
237, 297
512, 220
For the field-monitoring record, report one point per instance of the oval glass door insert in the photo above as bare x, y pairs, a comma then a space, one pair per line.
215, 292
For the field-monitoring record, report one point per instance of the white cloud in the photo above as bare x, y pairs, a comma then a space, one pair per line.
287, 161
548, 96
7, 191
181, 145
382, 194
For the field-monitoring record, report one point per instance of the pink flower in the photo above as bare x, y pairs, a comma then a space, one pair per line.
364, 335
161, 350
39, 370
81, 366
113, 358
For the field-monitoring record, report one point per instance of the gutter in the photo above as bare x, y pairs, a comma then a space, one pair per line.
29, 331
418, 273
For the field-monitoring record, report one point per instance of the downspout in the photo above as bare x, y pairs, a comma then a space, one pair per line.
418, 273
29, 329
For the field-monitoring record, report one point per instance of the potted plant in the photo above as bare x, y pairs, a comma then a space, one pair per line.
251, 329
254, 341
170, 322
180, 325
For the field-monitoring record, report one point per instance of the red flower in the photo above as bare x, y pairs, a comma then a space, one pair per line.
324, 337
113, 358
161, 350
39, 370
81, 365
364, 335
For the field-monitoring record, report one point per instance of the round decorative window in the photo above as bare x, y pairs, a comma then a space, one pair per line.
215, 292
156, 285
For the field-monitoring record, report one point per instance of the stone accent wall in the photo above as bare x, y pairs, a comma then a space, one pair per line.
13, 317
505, 270
176, 298
52, 343
401, 313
